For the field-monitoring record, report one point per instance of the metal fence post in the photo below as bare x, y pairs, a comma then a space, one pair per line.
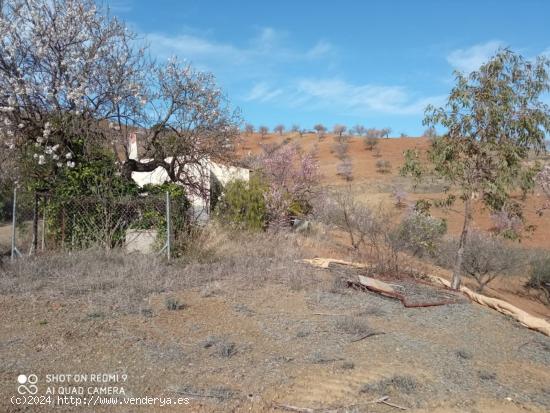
34, 243
43, 243
14, 251
168, 227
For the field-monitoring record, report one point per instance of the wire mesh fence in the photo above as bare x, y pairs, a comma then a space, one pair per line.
33, 222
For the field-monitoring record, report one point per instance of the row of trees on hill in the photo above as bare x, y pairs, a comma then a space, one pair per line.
338, 129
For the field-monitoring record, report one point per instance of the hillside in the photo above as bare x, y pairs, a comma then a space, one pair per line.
374, 187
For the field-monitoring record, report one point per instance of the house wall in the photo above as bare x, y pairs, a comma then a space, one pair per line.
199, 205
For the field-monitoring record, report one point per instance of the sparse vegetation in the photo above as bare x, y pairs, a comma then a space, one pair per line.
174, 304
485, 258
383, 166
321, 130
340, 149
345, 169
393, 384
279, 129
539, 274
357, 326
263, 131
249, 129
370, 142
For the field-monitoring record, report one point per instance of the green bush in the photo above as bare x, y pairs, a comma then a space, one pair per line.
92, 204
243, 204
420, 233
539, 275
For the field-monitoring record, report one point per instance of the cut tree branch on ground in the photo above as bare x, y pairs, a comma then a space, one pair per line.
291, 408
367, 336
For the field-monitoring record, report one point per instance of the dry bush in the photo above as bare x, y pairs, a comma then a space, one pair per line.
485, 258
340, 149
357, 326
383, 166
539, 274
396, 383
370, 142
371, 232
345, 169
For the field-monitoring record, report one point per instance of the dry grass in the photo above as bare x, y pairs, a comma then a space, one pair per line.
123, 282
352, 325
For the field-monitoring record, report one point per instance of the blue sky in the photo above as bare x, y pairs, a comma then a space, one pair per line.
376, 63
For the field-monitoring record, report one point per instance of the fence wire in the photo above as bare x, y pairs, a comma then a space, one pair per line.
32, 222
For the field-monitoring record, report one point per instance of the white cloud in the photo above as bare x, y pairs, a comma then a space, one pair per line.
470, 59
267, 48
261, 92
347, 98
321, 49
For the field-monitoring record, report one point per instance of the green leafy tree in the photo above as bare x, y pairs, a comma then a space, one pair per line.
493, 118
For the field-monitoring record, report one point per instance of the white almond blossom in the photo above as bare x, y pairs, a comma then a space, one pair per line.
68, 70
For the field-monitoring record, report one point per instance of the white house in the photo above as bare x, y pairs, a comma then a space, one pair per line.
212, 173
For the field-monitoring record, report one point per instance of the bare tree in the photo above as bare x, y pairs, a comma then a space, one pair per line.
249, 129
359, 130
73, 80
430, 133
373, 133
295, 128
279, 129
339, 129
263, 130
385, 132
320, 129
371, 142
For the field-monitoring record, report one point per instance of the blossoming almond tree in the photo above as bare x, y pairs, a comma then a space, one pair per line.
292, 177
72, 81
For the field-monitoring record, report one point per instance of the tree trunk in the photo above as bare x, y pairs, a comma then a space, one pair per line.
457, 272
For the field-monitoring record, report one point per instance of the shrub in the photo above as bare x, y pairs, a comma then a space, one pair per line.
366, 229
370, 142
92, 204
345, 169
400, 196
485, 257
539, 275
340, 150
352, 325
242, 204
383, 166
420, 233
173, 304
